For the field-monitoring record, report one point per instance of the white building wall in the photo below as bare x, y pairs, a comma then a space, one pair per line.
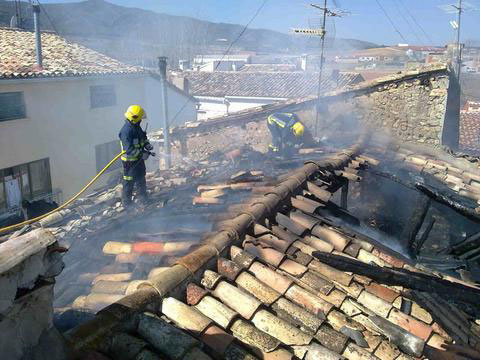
215, 106
60, 125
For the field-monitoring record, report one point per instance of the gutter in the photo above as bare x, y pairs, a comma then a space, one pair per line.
173, 281
53, 78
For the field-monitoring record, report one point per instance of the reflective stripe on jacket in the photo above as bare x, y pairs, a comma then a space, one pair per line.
132, 141
282, 120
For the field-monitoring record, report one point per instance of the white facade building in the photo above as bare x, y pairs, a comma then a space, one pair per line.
59, 125
224, 92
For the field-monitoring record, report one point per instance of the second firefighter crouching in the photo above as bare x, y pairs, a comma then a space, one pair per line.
136, 149
287, 131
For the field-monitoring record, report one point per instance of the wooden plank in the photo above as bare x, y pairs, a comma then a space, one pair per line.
16, 250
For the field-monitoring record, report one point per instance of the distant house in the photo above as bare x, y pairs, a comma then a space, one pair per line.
59, 123
220, 62
220, 93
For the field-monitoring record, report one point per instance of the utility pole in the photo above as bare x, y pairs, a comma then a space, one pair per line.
322, 49
459, 46
162, 67
319, 32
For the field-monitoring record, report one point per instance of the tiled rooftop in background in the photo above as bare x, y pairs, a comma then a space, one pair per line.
470, 132
289, 85
60, 57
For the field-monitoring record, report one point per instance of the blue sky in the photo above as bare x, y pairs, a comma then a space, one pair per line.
366, 21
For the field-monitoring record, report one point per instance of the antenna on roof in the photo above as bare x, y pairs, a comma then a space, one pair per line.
458, 9
321, 33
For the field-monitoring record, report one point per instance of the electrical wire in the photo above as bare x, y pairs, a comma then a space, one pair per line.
390, 20
242, 32
226, 52
48, 18
417, 23
72, 199
407, 22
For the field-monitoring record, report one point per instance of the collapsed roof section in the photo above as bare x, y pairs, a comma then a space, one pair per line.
289, 278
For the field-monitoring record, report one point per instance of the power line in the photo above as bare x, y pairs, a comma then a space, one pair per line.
391, 21
48, 17
407, 22
417, 23
241, 32
226, 52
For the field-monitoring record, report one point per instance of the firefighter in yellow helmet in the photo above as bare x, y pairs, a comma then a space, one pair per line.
286, 130
136, 149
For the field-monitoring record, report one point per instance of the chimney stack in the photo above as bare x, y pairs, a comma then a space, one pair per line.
38, 38
162, 66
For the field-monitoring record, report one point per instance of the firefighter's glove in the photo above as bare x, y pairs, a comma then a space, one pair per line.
145, 155
148, 147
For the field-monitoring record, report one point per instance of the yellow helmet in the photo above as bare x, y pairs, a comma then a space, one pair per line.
135, 114
298, 129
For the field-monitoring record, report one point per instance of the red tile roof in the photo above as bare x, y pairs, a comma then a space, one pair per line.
60, 57
470, 132
289, 85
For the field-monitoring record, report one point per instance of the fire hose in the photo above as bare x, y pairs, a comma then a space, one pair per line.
72, 199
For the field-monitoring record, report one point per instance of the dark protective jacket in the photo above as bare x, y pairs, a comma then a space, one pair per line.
280, 125
132, 140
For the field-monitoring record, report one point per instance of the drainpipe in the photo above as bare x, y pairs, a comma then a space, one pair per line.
38, 38
162, 67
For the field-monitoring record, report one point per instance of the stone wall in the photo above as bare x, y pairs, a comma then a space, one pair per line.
410, 106
28, 266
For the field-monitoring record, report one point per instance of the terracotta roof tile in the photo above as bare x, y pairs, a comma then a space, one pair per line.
164, 337
338, 319
297, 315
238, 300
217, 339
311, 302
262, 292
316, 351
387, 351
331, 273
60, 57
263, 84
354, 289
292, 267
216, 311
375, 304
382, 292
410, 324
339, 241
228, 268
280, 329
275, 280
317, 283
317, 244
242, 258
388, 258
331, 339
369, 258
421, 314
355, 352
335, 297
249, 334
470, 132
186, 317
269, 255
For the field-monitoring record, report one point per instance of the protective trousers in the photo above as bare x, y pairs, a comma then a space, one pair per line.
134, 174
277, 137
